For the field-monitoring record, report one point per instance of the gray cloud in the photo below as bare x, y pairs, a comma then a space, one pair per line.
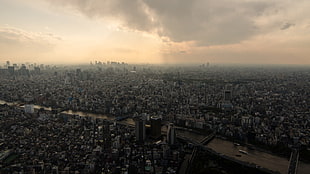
16, 34
209, 22
132, 13
18, 38
287, 26
206, 22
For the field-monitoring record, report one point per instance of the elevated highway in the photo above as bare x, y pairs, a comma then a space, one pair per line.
294, 159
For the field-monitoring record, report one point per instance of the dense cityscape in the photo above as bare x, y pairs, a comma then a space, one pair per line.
154, 87
114, 117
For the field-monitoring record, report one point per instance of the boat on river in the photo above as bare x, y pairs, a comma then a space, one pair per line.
236, 144
242, 151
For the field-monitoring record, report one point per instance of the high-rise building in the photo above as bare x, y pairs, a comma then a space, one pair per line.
226, 104
140, 130
227, 95
78, 72
23, 70
155, 126
11, 70
55, 170
171, 134
37, 70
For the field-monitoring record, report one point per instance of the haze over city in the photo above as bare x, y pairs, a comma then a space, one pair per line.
145, 31
154, 86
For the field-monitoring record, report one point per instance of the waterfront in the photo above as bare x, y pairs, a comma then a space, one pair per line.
225, 147
128, 121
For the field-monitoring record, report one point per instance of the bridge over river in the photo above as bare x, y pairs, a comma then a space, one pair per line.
227, 148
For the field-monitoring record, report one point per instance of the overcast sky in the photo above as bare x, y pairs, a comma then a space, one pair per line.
155, 31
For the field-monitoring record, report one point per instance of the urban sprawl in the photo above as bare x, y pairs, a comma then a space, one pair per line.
265, 106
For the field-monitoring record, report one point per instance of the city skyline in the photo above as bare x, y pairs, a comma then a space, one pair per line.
154, 119
143, 31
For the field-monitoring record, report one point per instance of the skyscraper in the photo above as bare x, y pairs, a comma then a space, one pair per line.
226, 104
227, 95
171, 134
155, 127
11, 70
140, 130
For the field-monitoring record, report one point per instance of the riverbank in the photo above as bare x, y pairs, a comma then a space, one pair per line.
260, 157
197, 137
256, 147
280, 151
208, 161
73, 112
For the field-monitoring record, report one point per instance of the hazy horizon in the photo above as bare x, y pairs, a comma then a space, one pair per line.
243, 32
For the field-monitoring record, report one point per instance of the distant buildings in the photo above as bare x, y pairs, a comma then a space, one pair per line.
22, 70
11, 70
37, 70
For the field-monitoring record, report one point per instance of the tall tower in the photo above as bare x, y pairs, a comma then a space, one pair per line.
171, 134
155, 127
226, 104
227, 94
140, 130
11, 70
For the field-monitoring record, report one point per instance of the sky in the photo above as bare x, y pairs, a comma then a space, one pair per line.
155, 31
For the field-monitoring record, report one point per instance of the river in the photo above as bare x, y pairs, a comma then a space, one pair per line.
128, 121
263, 159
